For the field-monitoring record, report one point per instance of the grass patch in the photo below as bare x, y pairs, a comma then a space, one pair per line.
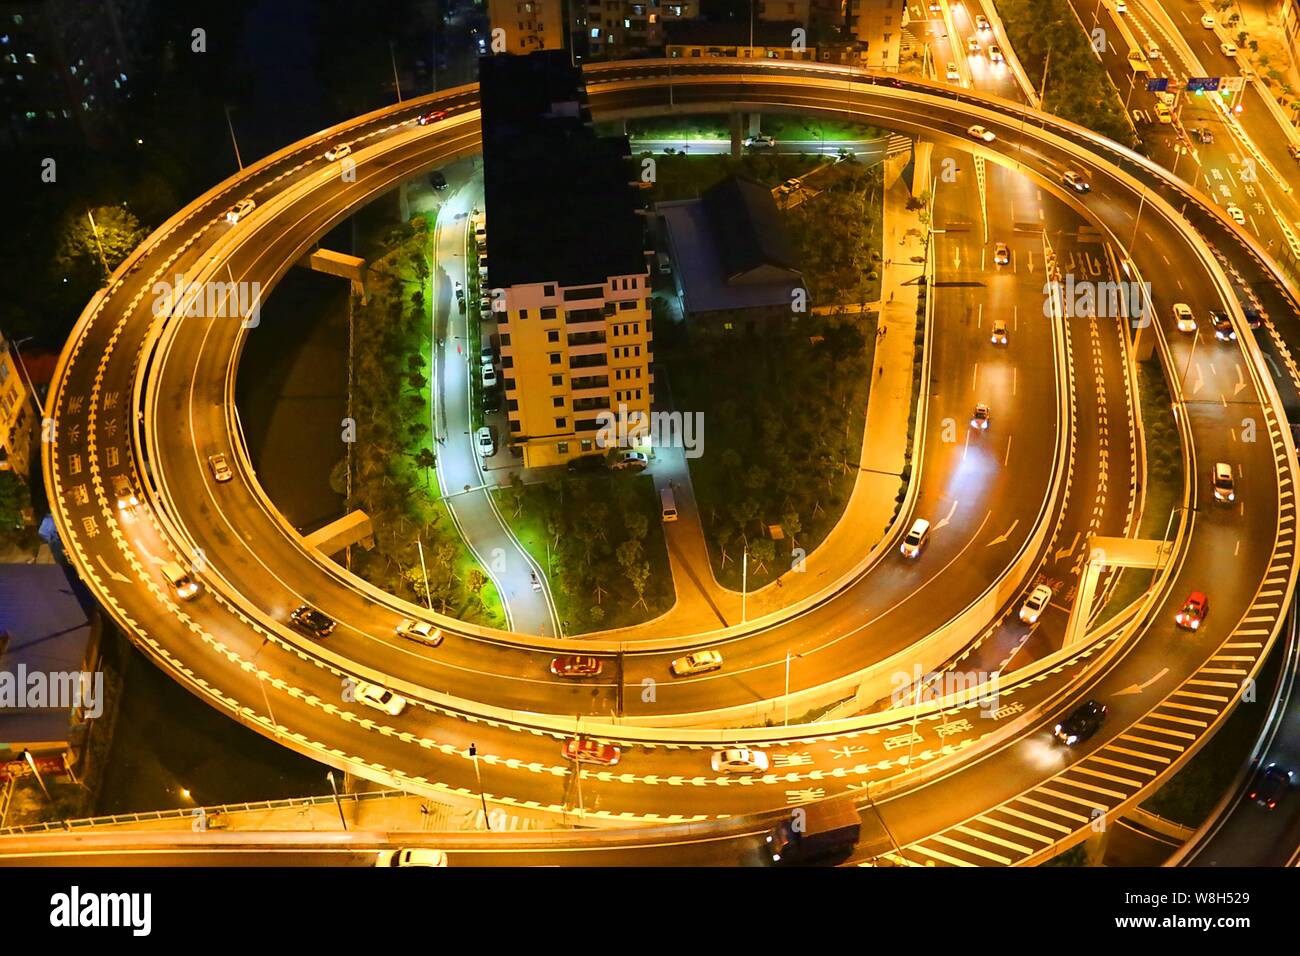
687, 177
1164, 489
1077, 88
600, 540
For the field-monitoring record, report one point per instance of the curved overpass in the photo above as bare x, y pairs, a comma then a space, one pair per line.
284, 690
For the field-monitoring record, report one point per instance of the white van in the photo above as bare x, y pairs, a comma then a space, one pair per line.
180, 579
667, 504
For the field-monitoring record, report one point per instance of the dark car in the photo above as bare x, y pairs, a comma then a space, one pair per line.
1253, 318
1270, 786
312, 622
1081, 724
1223, 330
437, 180
491, 401
586, 463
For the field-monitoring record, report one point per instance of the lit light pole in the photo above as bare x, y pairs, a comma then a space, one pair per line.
337, 802
473, 752
786, 722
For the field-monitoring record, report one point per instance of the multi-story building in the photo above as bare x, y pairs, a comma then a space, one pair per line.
528, 25
568, 273
63, 66
879, 25
1290, 14
17, 416
780, 40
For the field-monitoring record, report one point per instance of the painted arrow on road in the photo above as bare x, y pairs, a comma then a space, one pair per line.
116, 576
1139, 688
1002, 538
946, 518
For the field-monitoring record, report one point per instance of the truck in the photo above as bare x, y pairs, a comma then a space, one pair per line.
815, 833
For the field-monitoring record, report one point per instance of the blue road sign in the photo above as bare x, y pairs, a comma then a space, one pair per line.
1207, 84
1159, 85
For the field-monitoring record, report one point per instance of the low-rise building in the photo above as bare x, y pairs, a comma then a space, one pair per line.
17, 415
528, 25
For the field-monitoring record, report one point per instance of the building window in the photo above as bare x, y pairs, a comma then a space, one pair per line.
586, 444
553, 335
548, 291
557, 401
555, 358
557, 380
559, 422
548, 312
562, 447
523, 313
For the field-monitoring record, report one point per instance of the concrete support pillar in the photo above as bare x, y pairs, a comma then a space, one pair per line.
404, 204
755, 124
1144, 342
737, 135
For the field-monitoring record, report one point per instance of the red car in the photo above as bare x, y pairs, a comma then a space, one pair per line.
432, 117
586, 750
1193, 612
576, 665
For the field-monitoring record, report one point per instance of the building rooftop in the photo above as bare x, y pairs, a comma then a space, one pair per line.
567, 209
747, 228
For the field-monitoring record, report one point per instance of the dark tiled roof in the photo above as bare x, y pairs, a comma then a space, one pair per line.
747, 228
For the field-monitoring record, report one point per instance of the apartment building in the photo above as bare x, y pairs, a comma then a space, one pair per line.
699, 39
879, 25
1289, 12
568, 272
64, 64
528, 25
17, 416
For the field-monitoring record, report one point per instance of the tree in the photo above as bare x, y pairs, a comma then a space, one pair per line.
100, 245
426, 459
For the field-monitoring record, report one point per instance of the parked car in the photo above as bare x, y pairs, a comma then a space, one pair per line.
239, 210
1207, 21
697, 662
586, 463
420, 631
220, 468
1081, 724
311, 622
485, 441
586, 750
631, 461
576, 665
739, 760
378, 697
1194, 610
489, 376
1228, 49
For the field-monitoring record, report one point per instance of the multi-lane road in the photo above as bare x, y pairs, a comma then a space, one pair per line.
229, 646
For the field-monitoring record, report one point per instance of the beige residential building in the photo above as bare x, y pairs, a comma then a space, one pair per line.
17, 416
879, 24
527, 25
568, 272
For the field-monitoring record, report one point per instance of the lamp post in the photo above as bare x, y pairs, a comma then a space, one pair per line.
27, 755
786, 722
231, 126
473, 752
744, 582
337, 802
36, 399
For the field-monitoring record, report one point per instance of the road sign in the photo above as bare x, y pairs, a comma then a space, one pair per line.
1233, 84
1208, 84
1158, 85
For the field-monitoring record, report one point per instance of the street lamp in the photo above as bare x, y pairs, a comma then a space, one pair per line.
473, 752
337, 802
27, 755
36, 399
786, 723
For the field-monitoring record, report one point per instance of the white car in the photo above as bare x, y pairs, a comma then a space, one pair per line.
220, 468
981, 22
1183, 319
411, 856
338, 152
973, 45
995, 53
631, 461
980, 420
489, 376
239, 210
981, 133
1224, 485
953, 73
915, 539
420, 631
1121, 6
1234, 212
1207, 21
1228, 49
697, 662
380, 698
487, 446
740, 760
1035, 604
761, 141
